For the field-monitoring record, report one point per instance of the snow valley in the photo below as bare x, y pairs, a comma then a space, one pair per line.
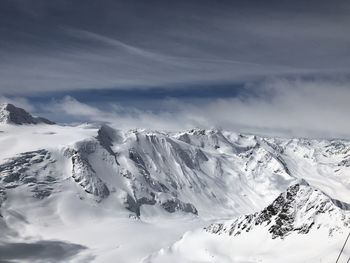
89, 193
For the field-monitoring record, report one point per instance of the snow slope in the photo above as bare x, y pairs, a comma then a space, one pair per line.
104, 193
302, 225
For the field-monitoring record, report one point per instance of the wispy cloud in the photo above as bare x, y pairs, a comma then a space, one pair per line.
58, 45
19, 102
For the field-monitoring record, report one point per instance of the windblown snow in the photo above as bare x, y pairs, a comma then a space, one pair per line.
101, 194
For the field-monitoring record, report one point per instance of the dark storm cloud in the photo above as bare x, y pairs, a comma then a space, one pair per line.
68, 45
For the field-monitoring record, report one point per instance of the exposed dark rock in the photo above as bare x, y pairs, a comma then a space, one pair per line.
182, 154
85, 176
140, 164
135, 205
105, 136
13, 115
25, 169
293, 211
172, 205
176, 205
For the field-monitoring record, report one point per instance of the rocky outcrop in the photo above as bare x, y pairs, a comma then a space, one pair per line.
85, 176
297, 210
33, 169
82, 171
174, 205
10, 114
106, 135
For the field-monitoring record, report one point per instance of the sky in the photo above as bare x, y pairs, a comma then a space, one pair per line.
274, 67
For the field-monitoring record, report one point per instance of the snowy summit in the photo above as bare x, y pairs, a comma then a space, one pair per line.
11, 114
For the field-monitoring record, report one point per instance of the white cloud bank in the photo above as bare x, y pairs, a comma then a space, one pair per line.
291, 108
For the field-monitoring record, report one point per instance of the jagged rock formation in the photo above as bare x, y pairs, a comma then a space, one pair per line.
11, 114
84, 174
36, 176
299, 209
302, 225
82, 171
33, 169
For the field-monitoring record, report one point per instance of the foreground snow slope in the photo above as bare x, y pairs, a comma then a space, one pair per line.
301, 225
105, 192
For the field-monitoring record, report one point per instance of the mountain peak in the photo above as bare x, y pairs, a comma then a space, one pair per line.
10, 114
298, 209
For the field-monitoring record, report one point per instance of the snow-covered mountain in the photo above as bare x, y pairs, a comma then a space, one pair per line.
14, 115
297, 210
302, 224
83, 184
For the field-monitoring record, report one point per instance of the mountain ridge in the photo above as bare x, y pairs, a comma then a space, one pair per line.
74, 178
300, 217
300, 202
10, 114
